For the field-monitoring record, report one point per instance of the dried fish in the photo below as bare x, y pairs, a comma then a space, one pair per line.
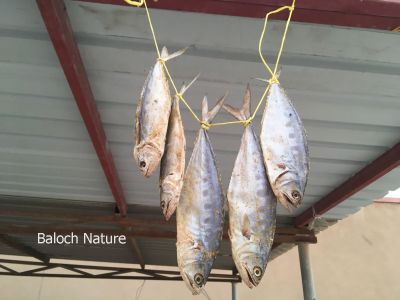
173, 161
201, 209
252, 204
152, 116
284, 145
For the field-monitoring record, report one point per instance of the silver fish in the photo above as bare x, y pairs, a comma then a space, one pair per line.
152, 116
173, 161
201, 210
252, 204
284, 145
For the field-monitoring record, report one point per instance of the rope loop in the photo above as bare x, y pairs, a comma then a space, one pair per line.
245, 123
135, 3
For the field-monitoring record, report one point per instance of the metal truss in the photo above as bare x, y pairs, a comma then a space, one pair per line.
41, 269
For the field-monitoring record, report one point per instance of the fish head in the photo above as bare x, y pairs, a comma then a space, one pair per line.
195, 275
169, 201
148, 159
251, 268
290, 192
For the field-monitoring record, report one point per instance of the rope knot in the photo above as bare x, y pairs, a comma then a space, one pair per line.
179, 96
162, 61
205, 125
247, 122
273, 80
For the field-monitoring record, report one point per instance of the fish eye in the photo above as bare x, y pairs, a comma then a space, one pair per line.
162, 204
142, 164
257, 271
296, 195
198, 279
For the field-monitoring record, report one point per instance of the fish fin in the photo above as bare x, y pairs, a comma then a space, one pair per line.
244, 112
164, 52
204, 108
246, 227
209, 117
166, 57
260, 79
184, 87
246, 102
234, 112
137, 124
278, 74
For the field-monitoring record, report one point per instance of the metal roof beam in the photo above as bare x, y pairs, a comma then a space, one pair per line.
367, 175
28, 250
60, 31
144, 232
379, 14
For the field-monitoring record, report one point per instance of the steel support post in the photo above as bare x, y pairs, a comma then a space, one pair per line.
234, 292
306, 272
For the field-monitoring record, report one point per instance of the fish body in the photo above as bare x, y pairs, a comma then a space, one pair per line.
201, 210
173, 161
284, 146
252, 204
152, 115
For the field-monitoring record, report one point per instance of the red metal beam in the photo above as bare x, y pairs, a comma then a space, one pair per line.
376, 169
378, 14
59, 28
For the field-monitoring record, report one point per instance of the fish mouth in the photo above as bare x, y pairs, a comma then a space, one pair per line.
143, 166
148, 158
290, 202
294, 198
191, 285
248, 278
169, 210
169, 201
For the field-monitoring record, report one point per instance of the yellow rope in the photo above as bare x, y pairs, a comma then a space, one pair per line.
272, 80
135, 3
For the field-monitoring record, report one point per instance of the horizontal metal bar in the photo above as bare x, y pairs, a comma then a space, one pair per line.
128, 221
105, 268
137, 232
117, 277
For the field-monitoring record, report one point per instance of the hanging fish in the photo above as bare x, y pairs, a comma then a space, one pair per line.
201, 210
252, 204
173, 161
152, 116
284, 145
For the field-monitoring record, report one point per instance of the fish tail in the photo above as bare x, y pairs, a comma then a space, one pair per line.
244, 112
184, 87
208, 116
278, 74
165, 56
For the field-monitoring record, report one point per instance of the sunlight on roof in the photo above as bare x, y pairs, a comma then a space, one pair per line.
394, 194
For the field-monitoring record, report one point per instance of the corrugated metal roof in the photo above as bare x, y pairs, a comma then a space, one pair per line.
344, 83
